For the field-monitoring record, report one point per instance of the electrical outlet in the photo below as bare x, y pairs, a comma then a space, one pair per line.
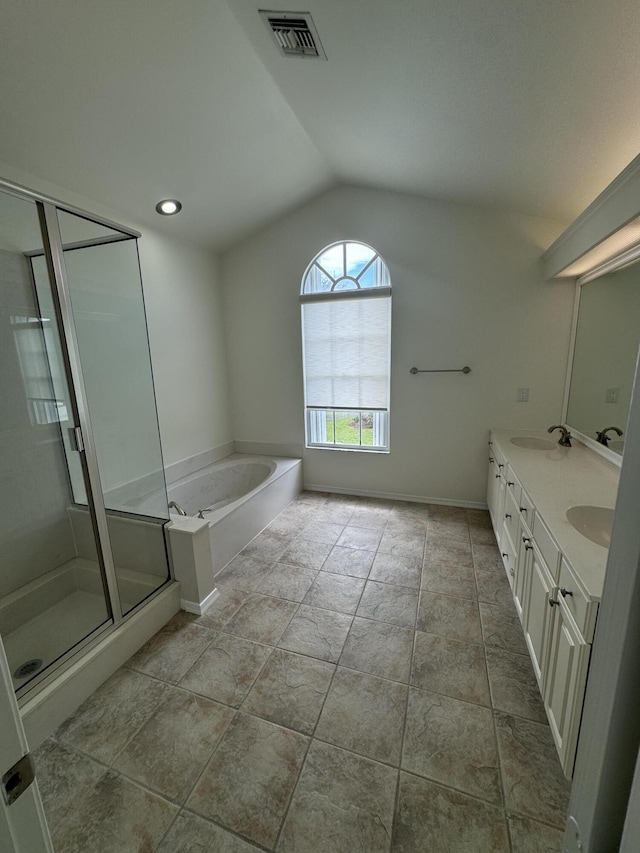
612, 395
523, 395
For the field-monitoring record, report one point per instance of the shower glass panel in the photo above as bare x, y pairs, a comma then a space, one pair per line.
105, 291
52, 591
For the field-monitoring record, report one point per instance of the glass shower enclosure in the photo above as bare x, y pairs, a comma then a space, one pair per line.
83, 506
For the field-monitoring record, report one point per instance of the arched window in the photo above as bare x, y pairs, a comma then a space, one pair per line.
346, 346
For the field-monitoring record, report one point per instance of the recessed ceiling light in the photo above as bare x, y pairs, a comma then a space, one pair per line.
168, 206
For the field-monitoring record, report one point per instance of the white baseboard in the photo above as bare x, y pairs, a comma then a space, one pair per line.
392, 496
199, 607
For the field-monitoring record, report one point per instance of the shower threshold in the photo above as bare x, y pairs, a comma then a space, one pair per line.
46, 618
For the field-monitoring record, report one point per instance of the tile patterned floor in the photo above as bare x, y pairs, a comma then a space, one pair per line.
361, 684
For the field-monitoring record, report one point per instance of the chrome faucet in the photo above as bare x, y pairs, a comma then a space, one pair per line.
177, 507
603, 438
565, 438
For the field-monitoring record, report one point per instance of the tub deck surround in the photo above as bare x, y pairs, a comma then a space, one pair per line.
245, 493
557, 480
369, 704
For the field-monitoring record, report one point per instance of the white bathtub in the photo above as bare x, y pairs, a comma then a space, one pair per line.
242, 494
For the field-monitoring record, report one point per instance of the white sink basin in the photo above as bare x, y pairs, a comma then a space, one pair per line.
532, 443
594, 522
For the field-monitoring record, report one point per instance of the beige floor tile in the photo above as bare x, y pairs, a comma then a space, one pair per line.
361, 538
402, 571
261, 619
223, 608
402, 544
342, 803
389, 603
248, 783
170, 653
455, 618
227, 669
449, 529
290, 691
432, 818
486, 558
64, 777
117, 817
453, 743
317, 633
364, 714
493, 588
514, 688
267, 546
308, 555
193, 834
170, 750
378, 648
335, 592
244, 572
529, 836
289, 582
449, 578
349, 561
322, 531
533, 781
501, 628
104, 724
450, 667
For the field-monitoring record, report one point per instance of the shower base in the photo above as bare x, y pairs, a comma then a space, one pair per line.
47, 617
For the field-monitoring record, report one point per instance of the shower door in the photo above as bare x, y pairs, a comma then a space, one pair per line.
51, 600
84, 506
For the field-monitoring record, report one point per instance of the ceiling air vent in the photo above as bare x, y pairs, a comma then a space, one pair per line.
295, 34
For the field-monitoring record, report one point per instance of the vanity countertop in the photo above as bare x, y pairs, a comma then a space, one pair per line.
558, 479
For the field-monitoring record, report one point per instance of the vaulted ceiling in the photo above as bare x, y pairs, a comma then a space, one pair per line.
529, 105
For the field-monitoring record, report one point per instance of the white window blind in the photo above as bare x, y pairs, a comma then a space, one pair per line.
346, 353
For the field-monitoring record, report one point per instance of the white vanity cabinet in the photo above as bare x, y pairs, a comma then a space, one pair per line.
556, 607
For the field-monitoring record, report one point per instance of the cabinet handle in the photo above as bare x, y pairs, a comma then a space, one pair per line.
504, 554
552, 602
500, 466
497, 476
508, 515
511, 572
510, 483
565, 592
523, 509
489, 443
491, 459
527, 543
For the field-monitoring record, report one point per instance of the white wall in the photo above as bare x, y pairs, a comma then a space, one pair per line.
467, 289
183, 304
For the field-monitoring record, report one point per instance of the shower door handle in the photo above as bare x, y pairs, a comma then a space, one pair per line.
75, 439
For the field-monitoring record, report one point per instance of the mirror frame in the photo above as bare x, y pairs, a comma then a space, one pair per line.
617, 262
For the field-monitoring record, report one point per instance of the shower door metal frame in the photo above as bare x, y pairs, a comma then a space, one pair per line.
54, 254
48, 208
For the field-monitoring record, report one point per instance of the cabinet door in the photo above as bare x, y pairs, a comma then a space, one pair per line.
524, 560
495, 497
538, 615
508, 553
565, 684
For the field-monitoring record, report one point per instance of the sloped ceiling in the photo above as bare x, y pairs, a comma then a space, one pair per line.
530, 105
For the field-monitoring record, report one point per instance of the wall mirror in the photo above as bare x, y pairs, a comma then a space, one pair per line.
605, 351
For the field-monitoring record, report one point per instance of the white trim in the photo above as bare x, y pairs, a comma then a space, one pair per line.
623, 259
392, 496
609, 192
292, 450
572, 348
338, 295
199, 607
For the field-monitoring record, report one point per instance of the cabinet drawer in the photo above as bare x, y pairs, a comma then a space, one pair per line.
582, 609
498, 455
546, 545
